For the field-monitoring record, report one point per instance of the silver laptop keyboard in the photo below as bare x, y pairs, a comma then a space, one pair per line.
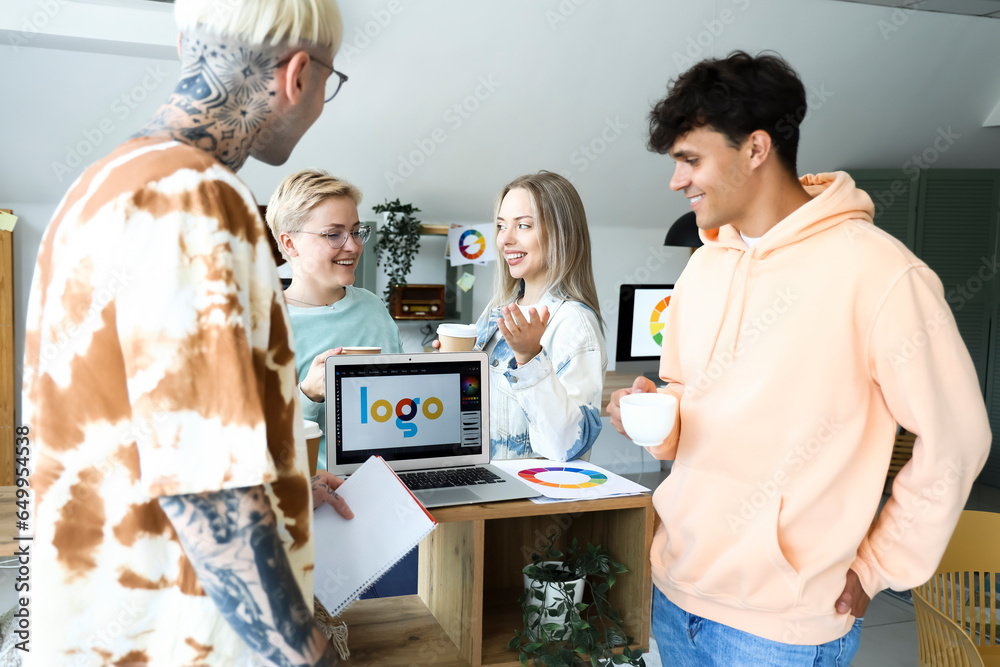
440, 479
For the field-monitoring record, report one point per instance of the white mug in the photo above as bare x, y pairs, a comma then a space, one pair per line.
648, 418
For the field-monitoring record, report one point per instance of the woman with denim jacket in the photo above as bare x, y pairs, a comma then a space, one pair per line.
543, 329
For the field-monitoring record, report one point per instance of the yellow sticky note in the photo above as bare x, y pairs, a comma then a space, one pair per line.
7, 221
466, 281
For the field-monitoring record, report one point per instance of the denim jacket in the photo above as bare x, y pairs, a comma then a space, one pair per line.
551, 406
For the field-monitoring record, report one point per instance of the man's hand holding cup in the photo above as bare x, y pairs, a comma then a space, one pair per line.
643, 414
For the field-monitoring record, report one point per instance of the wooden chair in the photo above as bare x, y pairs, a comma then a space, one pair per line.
940, 642
964, 589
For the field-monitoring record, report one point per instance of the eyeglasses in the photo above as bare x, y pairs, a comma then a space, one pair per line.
332, 84
338, 239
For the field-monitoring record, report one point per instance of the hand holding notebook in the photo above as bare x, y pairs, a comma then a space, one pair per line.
352, 554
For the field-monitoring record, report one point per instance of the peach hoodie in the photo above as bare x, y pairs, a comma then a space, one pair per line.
793, 362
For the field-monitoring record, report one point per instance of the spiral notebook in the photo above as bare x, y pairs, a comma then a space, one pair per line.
351, 554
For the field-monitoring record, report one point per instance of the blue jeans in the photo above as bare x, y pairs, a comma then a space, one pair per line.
686, 640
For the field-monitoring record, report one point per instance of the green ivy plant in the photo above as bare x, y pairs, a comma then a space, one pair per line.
595, 628
398, 242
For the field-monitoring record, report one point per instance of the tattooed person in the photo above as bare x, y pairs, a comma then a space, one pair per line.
170, 477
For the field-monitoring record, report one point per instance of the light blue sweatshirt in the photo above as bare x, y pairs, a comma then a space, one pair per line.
359, 319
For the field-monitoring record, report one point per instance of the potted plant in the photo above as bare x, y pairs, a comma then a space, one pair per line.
398, 242
560, 628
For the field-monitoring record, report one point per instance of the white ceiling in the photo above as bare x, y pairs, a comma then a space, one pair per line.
989, 8
565, 72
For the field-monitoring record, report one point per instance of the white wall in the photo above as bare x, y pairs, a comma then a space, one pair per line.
564, 85
621, 255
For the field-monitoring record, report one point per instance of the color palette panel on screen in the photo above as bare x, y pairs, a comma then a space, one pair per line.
562, 477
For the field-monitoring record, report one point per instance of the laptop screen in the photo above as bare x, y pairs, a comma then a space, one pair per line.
409, 409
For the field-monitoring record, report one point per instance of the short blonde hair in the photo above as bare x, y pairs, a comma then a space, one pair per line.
296, 197
264, 22
563, 237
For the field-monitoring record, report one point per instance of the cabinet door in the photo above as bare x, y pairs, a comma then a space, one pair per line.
894, 194
7, 389
991, 472
956, 236
365, 275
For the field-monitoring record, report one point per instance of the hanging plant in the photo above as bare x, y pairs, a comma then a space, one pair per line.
398, 242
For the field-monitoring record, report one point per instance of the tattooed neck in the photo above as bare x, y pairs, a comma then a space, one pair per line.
223, 100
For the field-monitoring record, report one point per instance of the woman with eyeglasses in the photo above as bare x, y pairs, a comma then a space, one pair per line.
314, 218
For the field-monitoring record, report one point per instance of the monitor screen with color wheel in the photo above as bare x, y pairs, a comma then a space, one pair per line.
642, 310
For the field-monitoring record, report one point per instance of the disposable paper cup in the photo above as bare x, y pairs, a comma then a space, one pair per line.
361, 350
457, 337
648, 418
313, 434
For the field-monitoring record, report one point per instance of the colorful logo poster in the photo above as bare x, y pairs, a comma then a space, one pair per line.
471, 244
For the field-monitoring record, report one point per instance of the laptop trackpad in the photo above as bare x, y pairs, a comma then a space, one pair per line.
448, 497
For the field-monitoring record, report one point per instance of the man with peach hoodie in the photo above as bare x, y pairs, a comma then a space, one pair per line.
796, 340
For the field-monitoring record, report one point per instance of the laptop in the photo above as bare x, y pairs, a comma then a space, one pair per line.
427, 415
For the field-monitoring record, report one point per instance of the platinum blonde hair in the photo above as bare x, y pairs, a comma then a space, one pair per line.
296, 197
265, 22
563, 237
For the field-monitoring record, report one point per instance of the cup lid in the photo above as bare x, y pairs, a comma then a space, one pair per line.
312, 429
457, 330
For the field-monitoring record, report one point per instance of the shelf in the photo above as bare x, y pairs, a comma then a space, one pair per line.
458, 304
470, 577
401, 631
503, 617
526, 508
429, 229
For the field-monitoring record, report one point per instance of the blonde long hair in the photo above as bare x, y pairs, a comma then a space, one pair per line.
564, 239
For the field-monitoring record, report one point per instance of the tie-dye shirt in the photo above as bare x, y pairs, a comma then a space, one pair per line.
158, 361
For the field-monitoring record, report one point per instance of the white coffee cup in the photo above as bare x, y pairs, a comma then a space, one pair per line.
456, 337
648, 418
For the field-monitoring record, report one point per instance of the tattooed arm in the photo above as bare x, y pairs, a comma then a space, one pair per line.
231, 539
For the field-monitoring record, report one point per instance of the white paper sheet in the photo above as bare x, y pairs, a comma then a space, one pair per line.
570, 480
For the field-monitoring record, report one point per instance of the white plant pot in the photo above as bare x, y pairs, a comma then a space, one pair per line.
553, 595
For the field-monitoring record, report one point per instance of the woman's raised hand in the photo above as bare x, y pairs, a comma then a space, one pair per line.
523, 334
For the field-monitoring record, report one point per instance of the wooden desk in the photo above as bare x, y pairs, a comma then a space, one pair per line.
613, 382
469, 579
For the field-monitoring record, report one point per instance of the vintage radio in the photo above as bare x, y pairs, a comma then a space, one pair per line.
417, 302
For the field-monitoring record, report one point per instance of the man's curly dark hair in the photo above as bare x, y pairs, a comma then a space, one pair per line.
735, 96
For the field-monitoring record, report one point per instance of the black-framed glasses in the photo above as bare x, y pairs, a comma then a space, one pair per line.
338, 239
333, 83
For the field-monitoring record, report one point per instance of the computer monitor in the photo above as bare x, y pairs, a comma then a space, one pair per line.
641, 313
